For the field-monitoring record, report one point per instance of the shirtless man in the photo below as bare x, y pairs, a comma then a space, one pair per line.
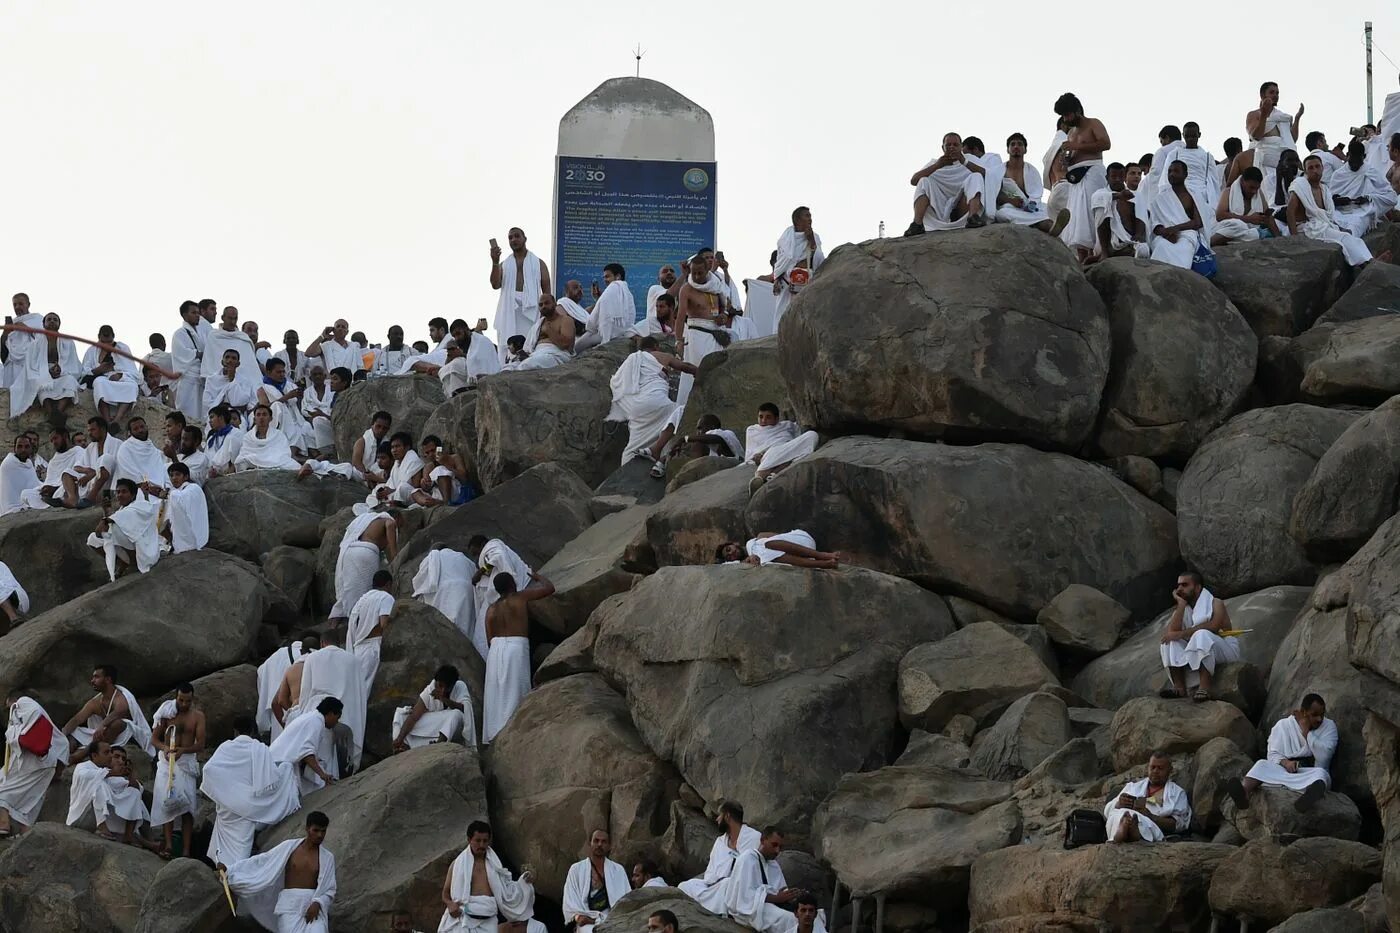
698, 334
479, 842
178, 739
105, 718
289, 691
557, 328
508, 649
1120, 200
1271, 131
1082, 154
300, 872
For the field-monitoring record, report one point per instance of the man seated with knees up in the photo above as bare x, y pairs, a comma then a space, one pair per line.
442, 712
1149, 809
1301, 746
1194, 641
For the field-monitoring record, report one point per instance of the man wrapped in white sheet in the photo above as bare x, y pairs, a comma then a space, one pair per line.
369, 619
97, 462
1242, 214
1149, 809
444, 581
1271, 130
365, 539
284, 396
641, 397
85, 779
1200, 175
404, 476
65, 459
756, 888
993, 172
478, 888
186, 510
17, 474
1194, 643
138, 459
949, 195
308, 744
34, 748
42, 367
117, 801
520, 279
227, 386
1082, 152
291, 887
800, 255
186, 359
709, 889
1176, 222
773, 444
1311, 213
613, 313
334, 672
250, 791
1021, 202
442, 711
224, 442
218, 341
1113, 236
1300, 750
131, 534
116, 378
265, 447
492, 556
594, 884
270, 674
1360, 193
316, 402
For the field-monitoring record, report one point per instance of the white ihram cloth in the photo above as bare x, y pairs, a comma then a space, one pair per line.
544, 356
514, 900
483, 359
270, 674
188, 513
335, 672
1105, 208
223, 449
517, 310
334, 356
97, 457
641, 397
186, 354
370, 451
363, 618
1169, 802
495, 557
1200, 182
699, 334
295, 371
1203, 649
140, 462
1032, 212
1286, 740
324, 468
273, 451
286, 416
438, 719
758, 439
1268, 148
785, 452
218, 341
1047, 161
400, 481
87, 778
26, 776
1167, 211
993, 172
753, 879
1080, 231
1359, 219
322, 432
944, 188
105, 388
60, 464
1330, 163
307, 736
507, 682
1237, 230
132, 528
136, 728
613, 313
235, 393
28, 367
758, 547
10, 586
356, 563
258, 881
198, 465
579, 882
444, 581
1319, 223
16, 476
116, 802
793, 248
249, 791
173, 798
709, 889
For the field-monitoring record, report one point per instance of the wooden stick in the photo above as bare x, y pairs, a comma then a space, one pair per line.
96, 343
223, 876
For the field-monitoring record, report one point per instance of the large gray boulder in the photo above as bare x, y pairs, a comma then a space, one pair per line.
454, 421
75, 419
395, 829
1353, 488
410, 399
1267, 883
57, 878
990, 334
733, 383
1134, 668
631, 913
687, 526
1366, 587
1003, 525
1235, 500
702, 674
1273, 814
1281, 286
144, 625
913, 832
1147, 724
250, 512
977, 672
1031, 730
1375, 292
1183, 358
566, 424
589, 569
185, 897
569, 762
1084, 621
47, 551
1357, 362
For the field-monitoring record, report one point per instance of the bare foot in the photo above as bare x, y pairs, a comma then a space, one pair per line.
304, 472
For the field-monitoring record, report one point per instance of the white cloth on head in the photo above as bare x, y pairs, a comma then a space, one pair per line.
272, 451
307, 736
709, 889
1167, 211
335, 672
545, 356
759, 438
219, 341
1320, 224
356, 563
444, 581
758, 547
25, 777
578, 884
119, 387
249, 789
1031, 211
16, 476
793, 248
187, 348
1169, 802
514, 900
753, 879
944, 189
496, 557
438, 718
270, 674
517, 309
135, 729
1286, 740
188, 513
641, 397
507, 682
140, 462
1079, 201
10, 586
258, 882
134, 528
363, 618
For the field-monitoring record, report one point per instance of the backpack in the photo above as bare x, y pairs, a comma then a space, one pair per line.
1085, 828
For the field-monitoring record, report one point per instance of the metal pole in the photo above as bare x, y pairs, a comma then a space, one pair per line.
1370, 107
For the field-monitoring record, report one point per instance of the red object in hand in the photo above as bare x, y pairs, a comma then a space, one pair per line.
37, 738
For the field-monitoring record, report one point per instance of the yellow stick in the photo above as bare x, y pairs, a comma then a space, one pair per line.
223, 876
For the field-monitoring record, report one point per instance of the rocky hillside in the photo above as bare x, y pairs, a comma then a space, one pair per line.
1017, 460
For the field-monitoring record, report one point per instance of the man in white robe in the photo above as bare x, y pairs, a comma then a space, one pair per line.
614, 312
316, 402
114, 376
1316, 145
92, 473
1081, 155
369, 620
284, 396
1021, 198
478, 888
1176, 221
53, 490
177, 739
756, 888
17, 474
291, 887
42, 367
508, 650
265, 447
366, 538
1200, 175
1300, 750
131, 534
14, 601
772, 444
796, 548
949, 191
294, 358
228, 387
665, 278
521, 279
332, 671
138, 459
213, 362
1195, 641
1360, 193
595, 884
735, 837
84, 780
404, 476
112, 715
1311, 213
444, 581
492, 556
34, 750
1149, 809
308, 744
335, 350
224, 441
1120, 230
799, 256
187, 360
641, 397
117, 801
442, 712
270, 674
1242, 214
249, 790
186, 510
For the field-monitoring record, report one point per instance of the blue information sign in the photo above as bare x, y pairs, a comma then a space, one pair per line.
642, 214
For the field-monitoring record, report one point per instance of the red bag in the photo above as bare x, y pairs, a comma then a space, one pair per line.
38, 738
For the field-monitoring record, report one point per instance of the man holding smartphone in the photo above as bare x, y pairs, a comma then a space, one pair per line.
1149, 809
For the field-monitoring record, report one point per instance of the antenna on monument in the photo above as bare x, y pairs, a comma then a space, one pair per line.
638, 52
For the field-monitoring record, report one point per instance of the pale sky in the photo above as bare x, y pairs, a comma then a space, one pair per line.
311, 160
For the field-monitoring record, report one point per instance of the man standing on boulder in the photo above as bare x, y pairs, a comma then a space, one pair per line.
520, 280
177, 737
1082, 154
508, 650
292, 886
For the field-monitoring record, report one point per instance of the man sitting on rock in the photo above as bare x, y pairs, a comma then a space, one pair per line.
441, 712
478, 888
308, 745
369, 620
1150, 809
734, 838
404, 476
756, 891
265, 447
362, 455
1301, 746
795, 548
35, 751
1196, 644
118, 803
177, 737
641, 397
712, 440
508, 650
773, 445
645, 874
112, 716
129, 535
224, 441
595, 884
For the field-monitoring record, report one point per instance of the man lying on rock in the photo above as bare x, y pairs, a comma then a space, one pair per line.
1150, 809
796, 548
1197, 638
1301, 746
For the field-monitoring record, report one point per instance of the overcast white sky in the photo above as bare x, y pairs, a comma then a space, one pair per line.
311, 160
